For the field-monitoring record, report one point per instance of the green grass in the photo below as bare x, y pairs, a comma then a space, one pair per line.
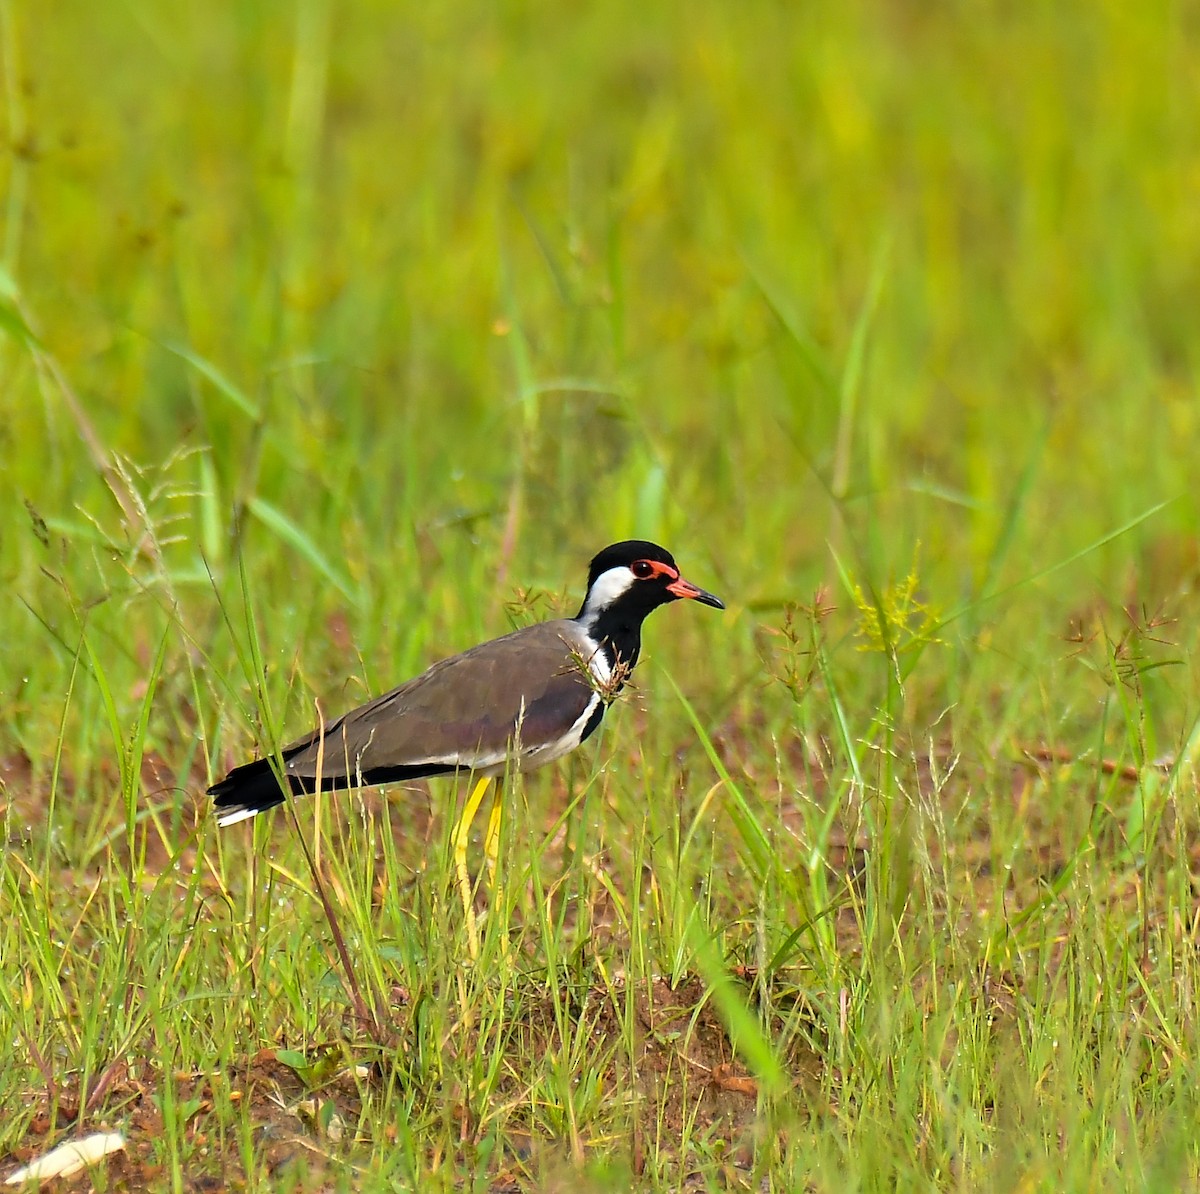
335, 339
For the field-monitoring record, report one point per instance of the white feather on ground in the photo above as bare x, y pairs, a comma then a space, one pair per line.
68, 1158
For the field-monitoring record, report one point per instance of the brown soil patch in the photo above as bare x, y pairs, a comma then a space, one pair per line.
685, 1075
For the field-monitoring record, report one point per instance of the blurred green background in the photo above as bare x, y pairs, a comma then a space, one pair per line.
462, 291
429, 243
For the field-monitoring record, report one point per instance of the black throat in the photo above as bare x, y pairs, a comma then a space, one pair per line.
618, 633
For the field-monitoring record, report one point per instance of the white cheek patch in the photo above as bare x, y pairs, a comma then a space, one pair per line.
608, 587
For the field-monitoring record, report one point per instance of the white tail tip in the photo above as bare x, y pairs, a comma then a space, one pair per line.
235, 815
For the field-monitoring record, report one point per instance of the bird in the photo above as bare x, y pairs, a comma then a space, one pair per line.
511, 704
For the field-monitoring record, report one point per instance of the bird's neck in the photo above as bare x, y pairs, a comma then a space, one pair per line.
618, 634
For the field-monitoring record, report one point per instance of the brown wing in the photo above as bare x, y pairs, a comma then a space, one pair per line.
463, 713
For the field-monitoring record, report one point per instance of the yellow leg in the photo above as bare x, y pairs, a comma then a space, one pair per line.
491, 850
491, 839
458, 840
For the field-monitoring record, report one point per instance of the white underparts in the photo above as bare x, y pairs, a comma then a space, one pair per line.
599, 667
536, 756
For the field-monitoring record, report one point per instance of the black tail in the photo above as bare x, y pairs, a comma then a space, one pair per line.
253, 787
247, 791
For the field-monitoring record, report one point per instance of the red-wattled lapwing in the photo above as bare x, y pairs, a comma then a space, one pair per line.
516, 702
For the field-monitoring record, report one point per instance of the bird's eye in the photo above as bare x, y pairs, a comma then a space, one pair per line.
642, 569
